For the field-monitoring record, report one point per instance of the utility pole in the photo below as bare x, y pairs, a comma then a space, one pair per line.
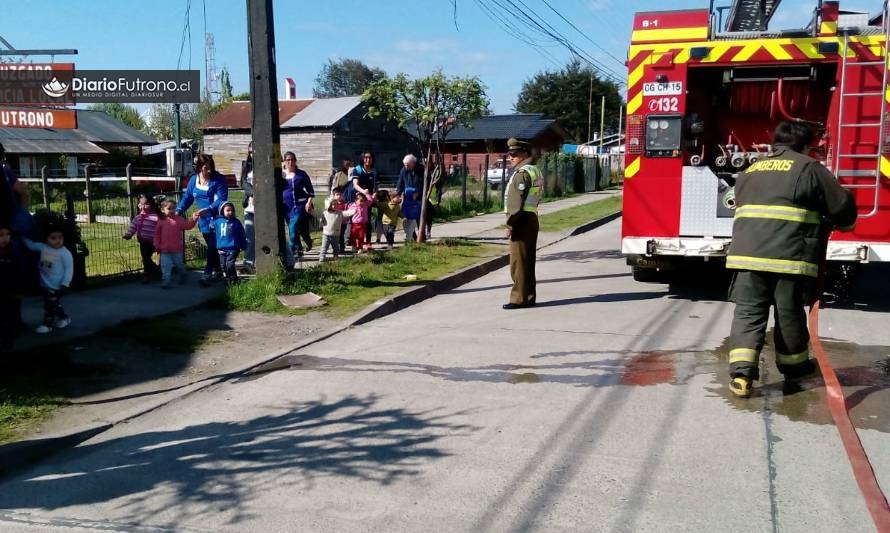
270, 244
590, 107
602, 121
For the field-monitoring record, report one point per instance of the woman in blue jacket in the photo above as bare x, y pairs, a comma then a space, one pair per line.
207, 189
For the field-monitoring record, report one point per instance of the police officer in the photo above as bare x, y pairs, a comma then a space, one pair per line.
523, 193
785, 203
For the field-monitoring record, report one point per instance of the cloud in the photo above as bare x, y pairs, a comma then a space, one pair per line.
598, 5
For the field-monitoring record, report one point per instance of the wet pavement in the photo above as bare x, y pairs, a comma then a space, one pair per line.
604, 408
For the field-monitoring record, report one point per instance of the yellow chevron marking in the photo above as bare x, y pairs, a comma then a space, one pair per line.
777, 51
635, 75
682, 56
748, 51
632, 169
635, 103
885, 166
828, 28
671, 34
717, 52
809, 49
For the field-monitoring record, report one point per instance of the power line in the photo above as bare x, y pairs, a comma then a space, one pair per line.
186, 35
516, 34
570, 23
530, 19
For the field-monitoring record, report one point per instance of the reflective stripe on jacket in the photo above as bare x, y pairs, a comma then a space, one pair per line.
781, 201
535, 191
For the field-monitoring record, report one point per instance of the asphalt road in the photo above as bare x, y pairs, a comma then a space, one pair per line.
603, 409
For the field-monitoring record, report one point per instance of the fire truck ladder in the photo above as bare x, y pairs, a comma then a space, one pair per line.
750, 15
874, 126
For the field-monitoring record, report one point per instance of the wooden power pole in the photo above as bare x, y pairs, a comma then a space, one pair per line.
270, 242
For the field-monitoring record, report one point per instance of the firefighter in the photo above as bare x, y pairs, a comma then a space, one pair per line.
785, 203
523, 193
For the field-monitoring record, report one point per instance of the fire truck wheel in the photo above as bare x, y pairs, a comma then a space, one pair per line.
646, 275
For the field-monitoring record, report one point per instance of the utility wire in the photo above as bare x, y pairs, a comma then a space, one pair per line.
570, 23
528, 18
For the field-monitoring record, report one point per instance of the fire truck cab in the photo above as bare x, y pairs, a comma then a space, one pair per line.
706, 89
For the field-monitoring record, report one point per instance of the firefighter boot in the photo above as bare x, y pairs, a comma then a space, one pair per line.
798, 371
740, 386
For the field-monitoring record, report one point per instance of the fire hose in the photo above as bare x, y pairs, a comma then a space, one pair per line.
863, 471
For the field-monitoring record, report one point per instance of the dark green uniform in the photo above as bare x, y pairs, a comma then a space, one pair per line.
522, 195
778, 243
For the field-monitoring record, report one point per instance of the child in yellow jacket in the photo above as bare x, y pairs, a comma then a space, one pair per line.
391, 210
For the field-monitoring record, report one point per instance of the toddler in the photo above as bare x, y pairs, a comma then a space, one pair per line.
143, 226
410, 213
230, 240
332, 221
389, 215
360, 208
168, 241
56, 271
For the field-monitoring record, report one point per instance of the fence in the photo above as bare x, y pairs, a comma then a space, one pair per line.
103, 207
564, 175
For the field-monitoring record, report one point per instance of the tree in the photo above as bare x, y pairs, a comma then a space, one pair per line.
431, 108
162, 119
122, 112
565, 95
345, 77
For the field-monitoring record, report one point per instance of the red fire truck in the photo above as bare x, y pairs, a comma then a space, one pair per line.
707, 87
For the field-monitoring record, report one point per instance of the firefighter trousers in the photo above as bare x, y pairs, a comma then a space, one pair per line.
754, 293
523, 247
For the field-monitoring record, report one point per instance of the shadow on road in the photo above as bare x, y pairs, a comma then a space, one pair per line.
543, 281
221, 466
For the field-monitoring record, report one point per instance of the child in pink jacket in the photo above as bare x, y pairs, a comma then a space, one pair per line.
360, 207
143, 227
168, 241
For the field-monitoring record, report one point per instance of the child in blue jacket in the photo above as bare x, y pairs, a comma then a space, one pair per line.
230, 240
410, 213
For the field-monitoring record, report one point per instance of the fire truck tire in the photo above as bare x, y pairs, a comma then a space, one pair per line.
646, 275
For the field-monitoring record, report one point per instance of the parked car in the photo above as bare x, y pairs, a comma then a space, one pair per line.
494, 173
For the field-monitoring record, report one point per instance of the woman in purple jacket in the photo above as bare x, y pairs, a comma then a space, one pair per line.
208, 190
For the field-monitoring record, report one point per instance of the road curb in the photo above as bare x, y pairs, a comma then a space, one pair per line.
17, 455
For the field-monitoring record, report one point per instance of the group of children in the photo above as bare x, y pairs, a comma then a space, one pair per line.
160, 229
342, 222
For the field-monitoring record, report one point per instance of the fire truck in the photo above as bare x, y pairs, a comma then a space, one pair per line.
705, 90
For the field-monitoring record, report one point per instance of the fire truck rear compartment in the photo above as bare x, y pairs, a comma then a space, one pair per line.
731, 113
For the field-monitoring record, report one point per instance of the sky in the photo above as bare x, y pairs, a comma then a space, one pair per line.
414, 37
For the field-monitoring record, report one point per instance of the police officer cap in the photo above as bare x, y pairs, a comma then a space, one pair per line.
516, 144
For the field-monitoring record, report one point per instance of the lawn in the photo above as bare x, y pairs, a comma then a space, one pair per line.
349, 285
579, 215
24, 402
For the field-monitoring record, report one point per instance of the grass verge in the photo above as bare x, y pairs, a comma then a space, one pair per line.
24, 402
579, 215
351, 284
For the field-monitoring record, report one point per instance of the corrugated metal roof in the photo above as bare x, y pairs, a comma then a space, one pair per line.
57, 146
323, 112
236, 116
524, 126
96, 126
92, 127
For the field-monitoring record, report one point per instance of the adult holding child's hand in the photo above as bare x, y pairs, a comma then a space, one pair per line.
208, 190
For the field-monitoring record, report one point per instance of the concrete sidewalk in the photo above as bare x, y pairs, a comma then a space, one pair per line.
96, 309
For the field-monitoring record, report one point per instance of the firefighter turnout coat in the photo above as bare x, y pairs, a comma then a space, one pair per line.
777, 246
780, 204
